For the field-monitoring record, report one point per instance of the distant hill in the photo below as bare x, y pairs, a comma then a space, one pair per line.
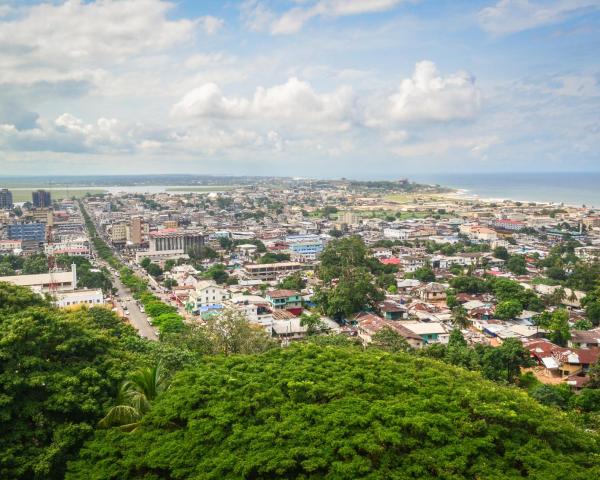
337, 412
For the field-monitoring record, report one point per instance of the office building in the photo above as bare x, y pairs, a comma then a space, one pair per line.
27, 232
41, 199
6, 199
136, 230
176, 241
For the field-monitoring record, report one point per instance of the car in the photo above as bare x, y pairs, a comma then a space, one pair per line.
127, 312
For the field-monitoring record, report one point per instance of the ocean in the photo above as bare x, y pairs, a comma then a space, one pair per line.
568, 188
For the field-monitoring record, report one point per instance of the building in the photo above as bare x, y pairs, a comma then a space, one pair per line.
92, 297
118, 233
305, 247
136, 230
267, 272
6, 199
27, 232
508, 224
368, 324
348, 218
41, 199
285, 300
175, 240
77, 247
207, 294
41, 282
10, 246
396, 234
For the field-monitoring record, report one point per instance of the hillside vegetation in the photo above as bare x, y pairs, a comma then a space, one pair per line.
314, 411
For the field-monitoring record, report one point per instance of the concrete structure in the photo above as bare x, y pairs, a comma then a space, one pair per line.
267, 272
10, 246
396, 234
63, 281
206, 294
78, 247
118, 233
176, 241
6, 199
93, 297
27, 231
136, 231
41, 199
284, 299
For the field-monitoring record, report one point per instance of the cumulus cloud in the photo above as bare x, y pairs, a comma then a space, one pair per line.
295, 101
511, 16
441, 146
428, 95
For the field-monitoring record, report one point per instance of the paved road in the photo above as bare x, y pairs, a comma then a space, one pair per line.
138, 319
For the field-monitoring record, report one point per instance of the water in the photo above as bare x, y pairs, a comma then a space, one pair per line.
568, 188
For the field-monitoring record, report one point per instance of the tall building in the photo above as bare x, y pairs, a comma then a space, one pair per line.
136, 230
6, 199
41, 199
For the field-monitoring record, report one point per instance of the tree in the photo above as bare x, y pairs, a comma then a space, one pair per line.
312, 321
460, 318
504, 362
337, 412
501, 253
134, 399
217, 273
517, 264
424, 274
230, 332
154, 270
559, 327
390, 340
508, 309
35, 264
59, 371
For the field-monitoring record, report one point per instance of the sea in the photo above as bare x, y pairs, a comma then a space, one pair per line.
569, 188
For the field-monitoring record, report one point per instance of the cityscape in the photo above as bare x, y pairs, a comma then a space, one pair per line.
299, 239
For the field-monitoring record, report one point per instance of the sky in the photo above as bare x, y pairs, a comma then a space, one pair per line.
311, 88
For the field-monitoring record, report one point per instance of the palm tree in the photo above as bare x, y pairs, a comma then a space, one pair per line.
134, 399
460, 318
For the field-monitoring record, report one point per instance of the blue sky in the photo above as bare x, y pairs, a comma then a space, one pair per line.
355, 88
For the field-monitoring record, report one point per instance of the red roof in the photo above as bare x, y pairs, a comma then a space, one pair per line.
390, 261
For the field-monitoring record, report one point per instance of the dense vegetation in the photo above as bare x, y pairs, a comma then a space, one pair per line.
333, 412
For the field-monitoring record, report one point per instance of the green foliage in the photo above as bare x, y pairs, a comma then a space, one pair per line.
271, 257
555, 395
86, 278
390, 341
334, 412
501, 253
517, 264
293, 282
58, 372
557, 324
218, 273
424, 274
312, 321
37, 263
346, 269
508, 309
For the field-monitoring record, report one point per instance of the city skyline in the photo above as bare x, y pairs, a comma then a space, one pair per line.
311, 88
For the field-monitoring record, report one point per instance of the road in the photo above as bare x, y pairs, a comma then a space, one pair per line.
136, 317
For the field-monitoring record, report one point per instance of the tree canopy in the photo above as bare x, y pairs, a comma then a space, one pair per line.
312, 411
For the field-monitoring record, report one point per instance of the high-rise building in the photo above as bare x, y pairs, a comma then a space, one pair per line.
6, 199
136, 230
177, 241
41, 199
27, 231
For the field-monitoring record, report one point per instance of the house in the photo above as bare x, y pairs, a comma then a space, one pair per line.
561, 361
432, 292
585, 338
207, 293
392, 310
430, 332
287, 329
285, 300
368, 324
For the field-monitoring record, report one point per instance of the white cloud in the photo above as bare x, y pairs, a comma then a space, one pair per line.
210, 24
260, 18
294, 101
510, 16
428, 95
203, 60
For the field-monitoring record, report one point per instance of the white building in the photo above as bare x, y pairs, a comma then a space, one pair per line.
208, 293
396, 234
92, 297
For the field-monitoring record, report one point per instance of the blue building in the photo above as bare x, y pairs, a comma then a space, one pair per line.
27, 231
305, 244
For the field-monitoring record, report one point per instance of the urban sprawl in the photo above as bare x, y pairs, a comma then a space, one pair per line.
404, 266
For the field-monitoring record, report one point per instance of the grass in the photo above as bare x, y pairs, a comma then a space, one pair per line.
24, 195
